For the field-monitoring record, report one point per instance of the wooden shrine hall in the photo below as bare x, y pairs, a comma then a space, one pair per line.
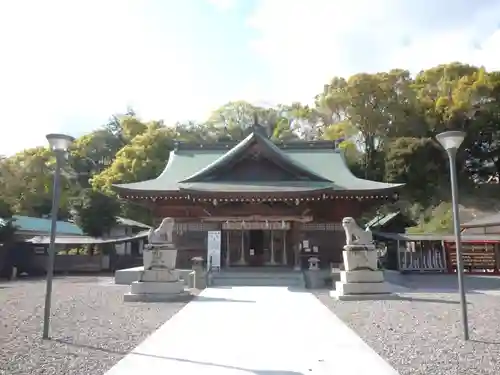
275, 204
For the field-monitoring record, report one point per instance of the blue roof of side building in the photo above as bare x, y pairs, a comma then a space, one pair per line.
35, 224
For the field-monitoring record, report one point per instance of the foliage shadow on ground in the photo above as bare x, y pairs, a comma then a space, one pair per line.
256, 372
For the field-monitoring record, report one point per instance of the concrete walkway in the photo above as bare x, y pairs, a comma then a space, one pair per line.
253, 330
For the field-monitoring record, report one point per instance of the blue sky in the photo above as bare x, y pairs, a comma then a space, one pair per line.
68, 65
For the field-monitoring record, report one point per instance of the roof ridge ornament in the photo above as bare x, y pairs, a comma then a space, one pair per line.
258, 128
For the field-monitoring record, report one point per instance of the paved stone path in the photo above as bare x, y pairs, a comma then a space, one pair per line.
253, 330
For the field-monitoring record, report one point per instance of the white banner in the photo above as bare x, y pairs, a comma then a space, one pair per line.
214, 249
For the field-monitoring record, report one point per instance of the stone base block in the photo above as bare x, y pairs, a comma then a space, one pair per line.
361, 276
141, 287
361, 288
358, 247
362, 297
314, 279
157, 297
128, 276
159, 255
160, 275
197, 280
360, 260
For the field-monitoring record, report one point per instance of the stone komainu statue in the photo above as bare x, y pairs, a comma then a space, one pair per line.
354, 234
164, 233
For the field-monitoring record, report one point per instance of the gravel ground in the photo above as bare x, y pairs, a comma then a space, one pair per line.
91, 327
421, 332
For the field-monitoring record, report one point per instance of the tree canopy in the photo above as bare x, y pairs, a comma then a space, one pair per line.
385, 122
94, 212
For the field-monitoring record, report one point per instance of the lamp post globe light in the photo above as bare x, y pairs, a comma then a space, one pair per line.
451, 141
59, 144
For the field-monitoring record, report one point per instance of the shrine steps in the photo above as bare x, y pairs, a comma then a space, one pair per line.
258, 277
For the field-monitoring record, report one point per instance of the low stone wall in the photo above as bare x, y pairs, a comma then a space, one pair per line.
74, 263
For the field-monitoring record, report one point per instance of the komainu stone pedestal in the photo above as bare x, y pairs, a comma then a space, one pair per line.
157, 286
159, 281
361, 279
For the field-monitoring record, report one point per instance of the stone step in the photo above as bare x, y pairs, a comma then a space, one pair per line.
224, 275
258, 278
257, 282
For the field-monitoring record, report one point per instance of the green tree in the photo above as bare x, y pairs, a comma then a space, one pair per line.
7, 224
482, 145
232, 120
27, 183
304, 122
376, 105
144, 158
92, 153
94, 212
196, 132
7, 236
446, 94
420, 164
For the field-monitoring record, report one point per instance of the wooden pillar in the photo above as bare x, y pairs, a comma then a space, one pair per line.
294, 242
406, 255
497, 257
398, 254
272, 260
242, 261
228, 250
444, 257
284, 257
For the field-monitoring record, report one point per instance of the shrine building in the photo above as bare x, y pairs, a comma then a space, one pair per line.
275, 204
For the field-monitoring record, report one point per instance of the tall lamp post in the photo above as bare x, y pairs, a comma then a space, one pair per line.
451, 141
59, 144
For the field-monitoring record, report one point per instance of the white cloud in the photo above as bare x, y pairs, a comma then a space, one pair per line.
307, 42
67, 65
64, 63
223, 5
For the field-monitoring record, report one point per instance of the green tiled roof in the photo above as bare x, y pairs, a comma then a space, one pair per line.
257, 186
324, 167
381, 220
35, 224
181, 165
268, 147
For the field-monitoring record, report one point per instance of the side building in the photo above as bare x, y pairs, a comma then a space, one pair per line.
275, 204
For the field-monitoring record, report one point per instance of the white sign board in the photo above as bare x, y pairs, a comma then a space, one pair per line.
214, 249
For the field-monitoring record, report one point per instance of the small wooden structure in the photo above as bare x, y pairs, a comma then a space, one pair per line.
68, 263
437, 253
